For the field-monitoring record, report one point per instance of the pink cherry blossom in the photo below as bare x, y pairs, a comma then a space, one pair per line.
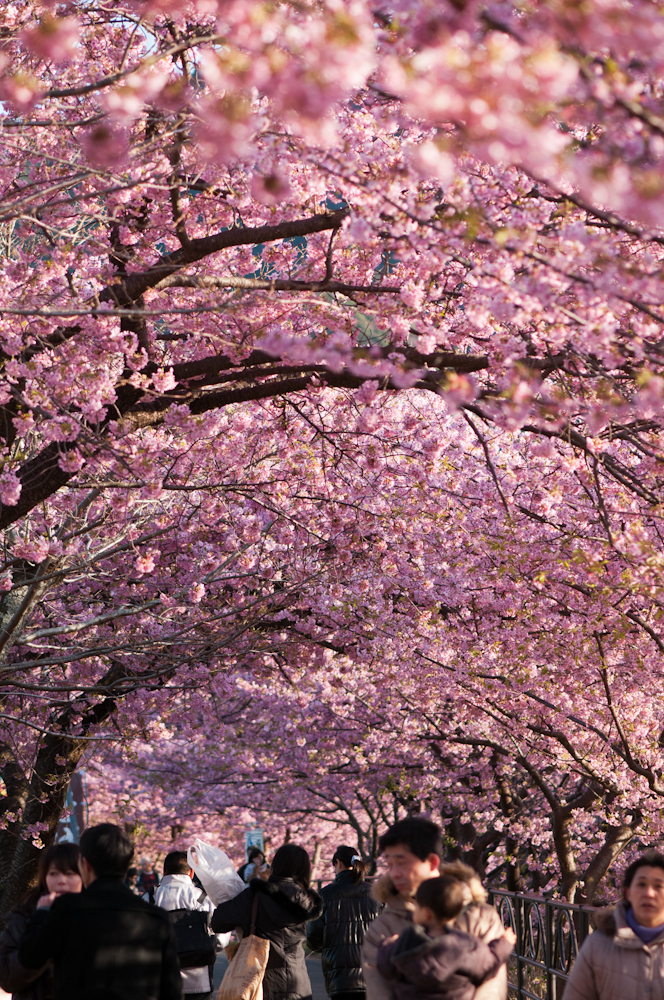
331, 425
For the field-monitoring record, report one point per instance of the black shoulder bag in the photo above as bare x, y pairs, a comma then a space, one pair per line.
196, 944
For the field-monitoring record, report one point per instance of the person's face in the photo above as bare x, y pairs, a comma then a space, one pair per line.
406, 870
645, 895
61, 882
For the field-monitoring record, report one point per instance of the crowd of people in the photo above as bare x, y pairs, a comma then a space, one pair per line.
90, 930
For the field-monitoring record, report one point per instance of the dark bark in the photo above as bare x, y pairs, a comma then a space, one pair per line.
616, 840
40, 477
510, 806
135, 285
44, 804
43, 796
17, 787
17, 603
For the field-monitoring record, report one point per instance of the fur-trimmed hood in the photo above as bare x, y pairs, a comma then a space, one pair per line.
612, 921
303, 904
604, 920
384, 892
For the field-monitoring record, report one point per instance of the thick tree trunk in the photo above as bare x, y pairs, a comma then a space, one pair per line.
43, 796
16, 604
510, 806
561, 821
41, 814
12, 807
616, 840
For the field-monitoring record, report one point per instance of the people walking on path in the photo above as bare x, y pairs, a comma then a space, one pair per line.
255, 861
285, 904
624, 958
58, 873
348, 909
105, 943
178, 892
431, 959
412, 850
147, 880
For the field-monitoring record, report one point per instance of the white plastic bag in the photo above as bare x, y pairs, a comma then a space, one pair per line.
215, 870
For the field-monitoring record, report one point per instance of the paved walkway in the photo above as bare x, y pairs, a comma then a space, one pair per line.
313, 965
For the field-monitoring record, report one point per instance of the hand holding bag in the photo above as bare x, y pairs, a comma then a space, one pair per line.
243, 979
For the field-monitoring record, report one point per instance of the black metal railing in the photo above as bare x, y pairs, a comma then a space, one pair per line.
549, 934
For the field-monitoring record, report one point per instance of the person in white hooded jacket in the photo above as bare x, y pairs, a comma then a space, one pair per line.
178, 892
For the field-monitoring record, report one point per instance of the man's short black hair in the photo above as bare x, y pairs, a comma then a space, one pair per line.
176, 863
421, 836
651, 859
107, 849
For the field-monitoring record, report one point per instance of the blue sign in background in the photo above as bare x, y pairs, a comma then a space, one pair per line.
253, 838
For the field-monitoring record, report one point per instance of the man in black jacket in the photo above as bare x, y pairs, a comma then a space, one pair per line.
106, 943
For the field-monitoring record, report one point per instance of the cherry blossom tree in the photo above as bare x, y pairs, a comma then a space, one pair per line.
333, 330
460, 663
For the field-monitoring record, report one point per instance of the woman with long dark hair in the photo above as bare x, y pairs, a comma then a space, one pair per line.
348, 909
285, 904
58, 873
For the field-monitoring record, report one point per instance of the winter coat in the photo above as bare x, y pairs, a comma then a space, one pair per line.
395, 917
448, 967
24, 984
178, 892
477, 918
284, 908
483, 922
615, 964
348, 909
104, 942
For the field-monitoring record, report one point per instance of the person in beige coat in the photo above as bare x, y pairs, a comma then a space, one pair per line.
412, 850
623, 959
481, 920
